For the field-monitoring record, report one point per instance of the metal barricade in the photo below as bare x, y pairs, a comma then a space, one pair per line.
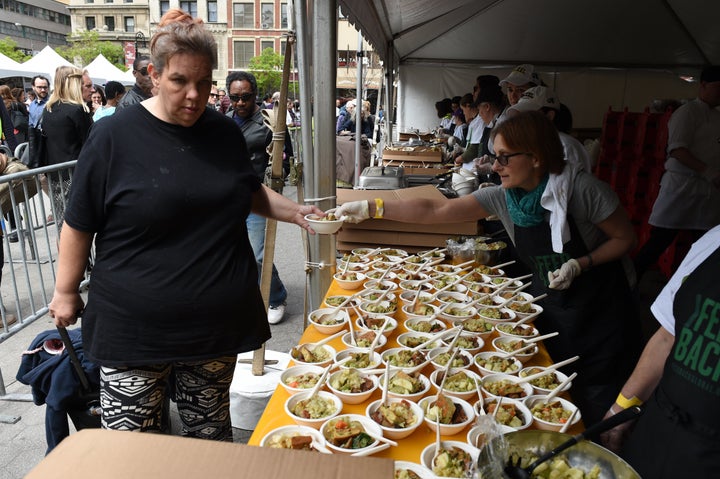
28, 270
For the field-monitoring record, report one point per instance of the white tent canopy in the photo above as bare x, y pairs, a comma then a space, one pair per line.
46, 62
101, 68
11, 68
595, 54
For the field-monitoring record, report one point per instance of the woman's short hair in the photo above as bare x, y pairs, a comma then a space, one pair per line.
113, 89
67, 87
533, 132
179, 33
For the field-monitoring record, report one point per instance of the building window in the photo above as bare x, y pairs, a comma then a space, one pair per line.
212, 14
190, 7
267, 15
128, 1
129, 24
267, 44
110, 23
89, 1
283, 43
283, 15
90, 23
243, 15
243, 52
108, 1
164, 7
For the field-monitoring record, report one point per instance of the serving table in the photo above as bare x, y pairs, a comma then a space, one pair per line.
408, 449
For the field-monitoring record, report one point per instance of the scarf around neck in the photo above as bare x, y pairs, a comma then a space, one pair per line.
524, 206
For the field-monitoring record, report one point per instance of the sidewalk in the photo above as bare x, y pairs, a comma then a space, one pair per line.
23, 443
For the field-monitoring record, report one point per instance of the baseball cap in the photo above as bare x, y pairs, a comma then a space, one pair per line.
536, 98
521, 75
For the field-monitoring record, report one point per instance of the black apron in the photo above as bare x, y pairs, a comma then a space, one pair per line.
679, 433
594, 316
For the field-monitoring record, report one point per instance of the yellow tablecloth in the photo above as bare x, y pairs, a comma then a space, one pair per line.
409, 449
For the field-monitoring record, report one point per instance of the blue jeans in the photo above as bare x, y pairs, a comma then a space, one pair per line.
256, 232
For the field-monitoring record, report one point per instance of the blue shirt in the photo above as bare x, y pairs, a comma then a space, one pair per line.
35, 110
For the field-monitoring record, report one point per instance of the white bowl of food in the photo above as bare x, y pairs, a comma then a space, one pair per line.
512, 413
481, 327
497, 315
440, 356
491, 362
300, 378
301, 438
422, 325
324, 225
352, 386
312, 411
505, 385
456, 459
420, 310
356, 266
521, 309
545, 384
455, 313
328, 320
375, 323
374, 295
310, 354
509, 344
517, 331
414, 285
469, 342
410, 386
461, 383
405, 359
338, 299
384, 285
408, 297
398, 418
363, 339
551, 416
376, 274
454, 297
411, 470
455, 413
413, 339
350, 433
358, 359
445, 268
350, 280
378, 309
445, 281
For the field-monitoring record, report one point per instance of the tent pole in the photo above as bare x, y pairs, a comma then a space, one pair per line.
358, 108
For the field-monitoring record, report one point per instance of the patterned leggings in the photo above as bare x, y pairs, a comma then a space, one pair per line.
132, 398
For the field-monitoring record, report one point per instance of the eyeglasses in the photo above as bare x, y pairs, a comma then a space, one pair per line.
215, 95
42, 87
504, 159
245, 97
143, 71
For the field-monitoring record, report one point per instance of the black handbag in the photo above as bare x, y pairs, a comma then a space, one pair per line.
36, 152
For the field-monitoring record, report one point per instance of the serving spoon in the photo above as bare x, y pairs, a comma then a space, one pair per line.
514, 471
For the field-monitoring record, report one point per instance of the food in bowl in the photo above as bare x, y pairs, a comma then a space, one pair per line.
363, 339
452, 462
553, 412
302, 380
420, 309
425, 326
351, 381
488, 270
521, 307
510, 414
381, 307
549, 381
405, 358
346, 433
443, 408
292, 437
457, 381
467, 342
558, 466
495, 313
375, 323
395, 414
327, 224
512, 329
359, 360
459, 361
498, 364
477, 325
316, 407
511, 345
405, 383
505, 388
411, 340
308, 353
337, 300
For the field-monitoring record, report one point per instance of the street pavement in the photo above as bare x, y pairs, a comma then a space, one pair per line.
22, 444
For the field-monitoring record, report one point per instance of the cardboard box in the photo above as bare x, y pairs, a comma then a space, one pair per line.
94, 453
414, 168
427, 191
429, 156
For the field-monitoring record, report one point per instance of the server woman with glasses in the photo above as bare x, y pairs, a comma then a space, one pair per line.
570, 230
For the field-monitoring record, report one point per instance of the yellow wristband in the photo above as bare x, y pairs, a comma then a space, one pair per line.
625, 403
379, 208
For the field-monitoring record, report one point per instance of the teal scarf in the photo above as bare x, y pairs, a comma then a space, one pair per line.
524, 206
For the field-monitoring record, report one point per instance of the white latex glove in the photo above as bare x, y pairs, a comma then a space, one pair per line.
353, 211
563, 277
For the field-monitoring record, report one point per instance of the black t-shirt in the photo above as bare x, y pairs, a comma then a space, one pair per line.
175, 277
66, 127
